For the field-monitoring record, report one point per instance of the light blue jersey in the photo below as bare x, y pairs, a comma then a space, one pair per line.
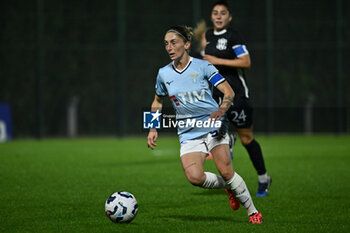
190, 93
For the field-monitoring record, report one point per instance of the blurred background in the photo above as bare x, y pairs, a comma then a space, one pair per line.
81, 68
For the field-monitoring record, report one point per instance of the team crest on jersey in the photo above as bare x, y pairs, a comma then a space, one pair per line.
222, 44
194, 76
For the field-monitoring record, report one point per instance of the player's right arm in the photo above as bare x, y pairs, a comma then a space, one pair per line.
157, 105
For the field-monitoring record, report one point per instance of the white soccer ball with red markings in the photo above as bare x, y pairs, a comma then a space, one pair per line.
121, 207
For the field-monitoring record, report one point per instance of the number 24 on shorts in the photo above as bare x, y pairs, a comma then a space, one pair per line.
239, 117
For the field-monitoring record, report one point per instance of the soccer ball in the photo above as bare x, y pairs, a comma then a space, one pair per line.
121, 207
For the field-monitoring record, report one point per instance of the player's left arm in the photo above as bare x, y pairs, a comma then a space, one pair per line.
239, 62
227, 100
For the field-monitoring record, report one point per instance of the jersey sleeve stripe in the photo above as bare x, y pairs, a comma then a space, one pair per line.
240, 50
216, 79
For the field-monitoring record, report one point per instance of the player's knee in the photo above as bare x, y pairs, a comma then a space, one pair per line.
196, 179
246, 139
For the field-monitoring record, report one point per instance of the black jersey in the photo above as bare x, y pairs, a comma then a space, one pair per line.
228, 44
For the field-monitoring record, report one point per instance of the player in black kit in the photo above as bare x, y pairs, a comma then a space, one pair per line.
227, 50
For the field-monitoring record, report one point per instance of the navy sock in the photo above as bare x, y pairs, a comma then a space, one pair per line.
256, 156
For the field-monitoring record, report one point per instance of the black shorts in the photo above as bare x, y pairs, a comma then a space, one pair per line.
241, 113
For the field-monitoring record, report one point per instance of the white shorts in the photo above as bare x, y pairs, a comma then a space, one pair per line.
203, 144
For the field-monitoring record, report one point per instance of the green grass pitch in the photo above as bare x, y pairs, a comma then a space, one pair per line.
61, 185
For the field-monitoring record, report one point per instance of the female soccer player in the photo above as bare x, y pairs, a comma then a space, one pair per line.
227, 51
186, 81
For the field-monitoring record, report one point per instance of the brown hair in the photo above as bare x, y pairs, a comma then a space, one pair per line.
182, 30
199, 30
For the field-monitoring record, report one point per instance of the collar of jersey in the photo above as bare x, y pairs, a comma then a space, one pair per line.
181, 71
220, 32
